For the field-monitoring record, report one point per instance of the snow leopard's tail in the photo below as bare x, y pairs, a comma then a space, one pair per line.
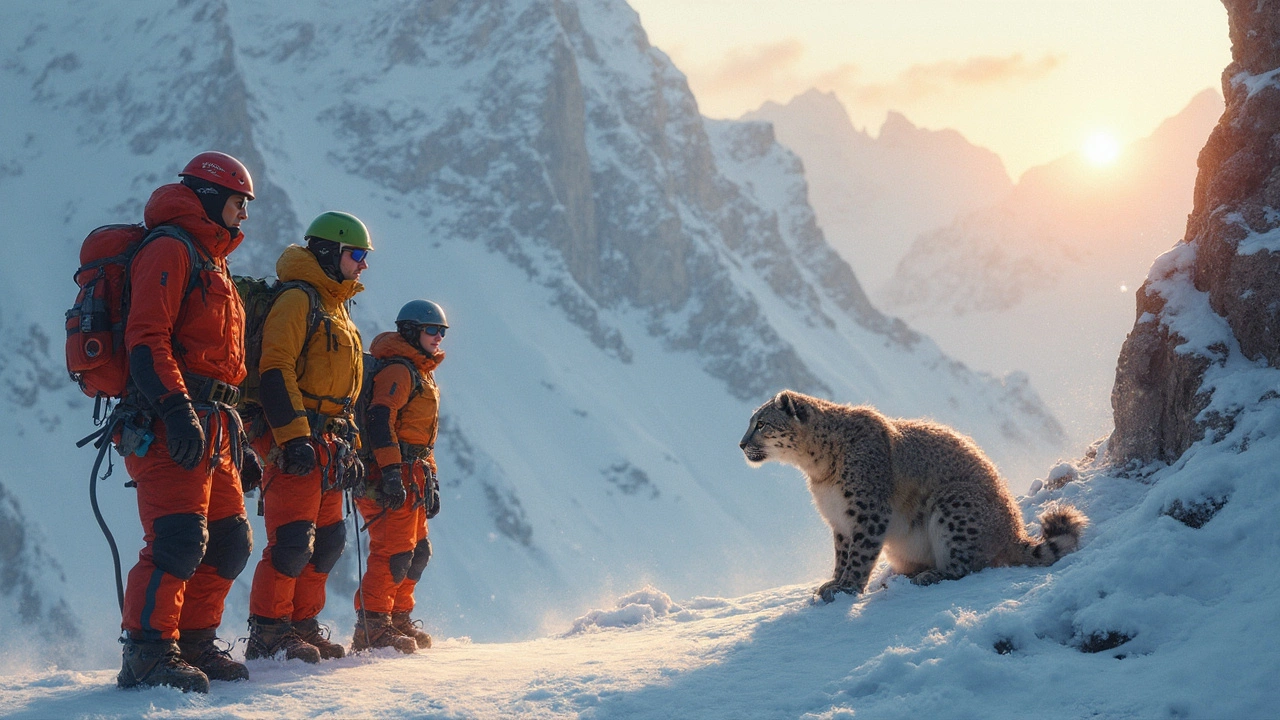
1061, 528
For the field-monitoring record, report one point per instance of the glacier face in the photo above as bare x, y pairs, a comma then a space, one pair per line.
625, 279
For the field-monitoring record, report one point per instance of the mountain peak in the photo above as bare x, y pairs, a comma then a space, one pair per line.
895, 125
817, 110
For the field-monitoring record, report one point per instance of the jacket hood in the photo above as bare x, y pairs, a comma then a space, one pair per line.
391, 344
297, 263
177, 204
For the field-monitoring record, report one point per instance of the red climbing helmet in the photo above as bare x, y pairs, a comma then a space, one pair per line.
222, 170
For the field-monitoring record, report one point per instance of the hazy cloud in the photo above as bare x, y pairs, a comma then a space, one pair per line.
762, 66
922, 81
774, 71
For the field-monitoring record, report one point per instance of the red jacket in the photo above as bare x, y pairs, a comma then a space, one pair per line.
203, 334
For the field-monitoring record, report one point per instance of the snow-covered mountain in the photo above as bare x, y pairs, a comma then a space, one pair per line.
31, 595
874, 195
624, 281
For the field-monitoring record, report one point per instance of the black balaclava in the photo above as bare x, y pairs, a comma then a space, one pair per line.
411, 332
329, 255
213, 198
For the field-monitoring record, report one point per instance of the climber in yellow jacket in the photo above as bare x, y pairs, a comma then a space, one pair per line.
311, 368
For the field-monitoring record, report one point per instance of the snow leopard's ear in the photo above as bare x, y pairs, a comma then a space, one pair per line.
793, 405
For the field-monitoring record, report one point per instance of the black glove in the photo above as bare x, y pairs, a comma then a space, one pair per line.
433, 494
353, 472
391, 494
298, 457
250, 470
186, 443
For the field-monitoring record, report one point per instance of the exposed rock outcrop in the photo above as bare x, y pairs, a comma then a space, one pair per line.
1216, 295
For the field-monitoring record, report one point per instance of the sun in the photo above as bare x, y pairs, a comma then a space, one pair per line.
1101, 148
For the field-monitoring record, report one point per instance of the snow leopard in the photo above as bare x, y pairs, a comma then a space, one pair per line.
917, 490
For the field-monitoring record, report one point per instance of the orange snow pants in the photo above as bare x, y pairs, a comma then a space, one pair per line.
306, 535
197, 539
398, 547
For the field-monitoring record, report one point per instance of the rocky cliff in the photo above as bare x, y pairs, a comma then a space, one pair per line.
1212, 303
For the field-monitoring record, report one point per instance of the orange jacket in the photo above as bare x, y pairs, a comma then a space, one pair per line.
203, 334
327, 379
415, 421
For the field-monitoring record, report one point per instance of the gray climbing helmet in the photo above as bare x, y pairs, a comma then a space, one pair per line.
422, 312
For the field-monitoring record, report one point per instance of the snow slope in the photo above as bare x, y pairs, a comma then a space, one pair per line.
1196, 605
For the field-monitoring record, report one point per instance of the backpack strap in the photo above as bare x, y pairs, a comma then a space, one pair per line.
315, 316
199, 262
418, 384
316, 313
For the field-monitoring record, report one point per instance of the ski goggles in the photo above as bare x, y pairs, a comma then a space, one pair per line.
357, 254
434, 329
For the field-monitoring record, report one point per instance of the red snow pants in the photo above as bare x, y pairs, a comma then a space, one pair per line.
306, 535
197, 540
398, 547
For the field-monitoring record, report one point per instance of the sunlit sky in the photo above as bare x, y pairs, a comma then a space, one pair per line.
1030, 79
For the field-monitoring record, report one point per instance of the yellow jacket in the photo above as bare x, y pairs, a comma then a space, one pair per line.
327, 379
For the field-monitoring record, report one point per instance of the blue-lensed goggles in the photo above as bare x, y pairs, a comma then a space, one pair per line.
434, 329
358, 254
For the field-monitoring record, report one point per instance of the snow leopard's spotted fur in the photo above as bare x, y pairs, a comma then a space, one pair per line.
921, 492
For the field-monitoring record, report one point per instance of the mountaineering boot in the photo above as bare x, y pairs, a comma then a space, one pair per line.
148, 663
268, 637
317, 635
413, 628
200, 650
374, 630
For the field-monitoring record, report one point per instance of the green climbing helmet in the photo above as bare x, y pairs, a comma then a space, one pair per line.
422, 312
342, 228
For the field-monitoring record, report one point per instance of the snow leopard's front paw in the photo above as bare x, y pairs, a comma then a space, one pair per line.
928, 577
826, 592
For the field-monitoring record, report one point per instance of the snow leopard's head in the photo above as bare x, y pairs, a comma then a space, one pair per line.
772, 432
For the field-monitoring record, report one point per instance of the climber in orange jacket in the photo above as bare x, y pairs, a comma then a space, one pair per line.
185, 342
402, 424
311, 370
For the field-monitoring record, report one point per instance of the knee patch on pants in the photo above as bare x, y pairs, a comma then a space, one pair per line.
295, 543
331, 540
230, 544
421, 555
400, 566
179, 544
